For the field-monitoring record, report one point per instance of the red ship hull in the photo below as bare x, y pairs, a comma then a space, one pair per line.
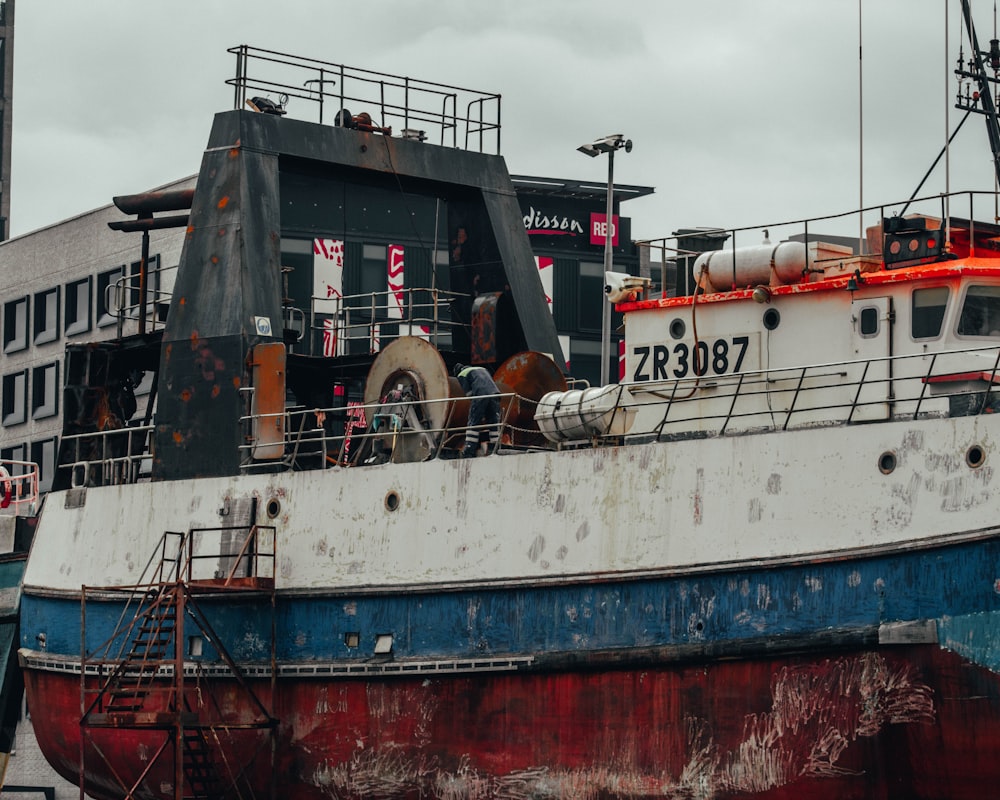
913, 722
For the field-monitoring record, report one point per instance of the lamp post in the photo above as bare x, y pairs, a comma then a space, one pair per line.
609, 144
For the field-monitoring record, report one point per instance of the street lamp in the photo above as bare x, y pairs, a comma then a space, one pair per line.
607, 145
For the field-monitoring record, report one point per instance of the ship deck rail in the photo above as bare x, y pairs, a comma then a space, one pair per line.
453, 116
364, 322
869, 232
122, 298
957, 382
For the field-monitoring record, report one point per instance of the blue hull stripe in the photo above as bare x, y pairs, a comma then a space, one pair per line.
943, 583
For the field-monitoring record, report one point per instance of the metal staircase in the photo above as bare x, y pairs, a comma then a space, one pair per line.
149, 684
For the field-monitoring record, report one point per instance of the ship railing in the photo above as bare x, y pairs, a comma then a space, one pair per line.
861, 234
413, 109
140, 662
18, 487
224, 557
364, 323
958, 382
122, 299
357, 434
103, 458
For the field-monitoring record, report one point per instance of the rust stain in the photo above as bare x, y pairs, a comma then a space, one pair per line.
214, 259
186, 395
236, 381
215, 391
182, 301
222, 231
194, 340
224, 202
698, 494
178, 438
235, 151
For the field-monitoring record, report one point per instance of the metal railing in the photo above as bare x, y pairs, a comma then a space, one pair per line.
18, 487
415, 109
247, 549
122, 298
951, 383
867, 241
362, 322
103, 458
376, 430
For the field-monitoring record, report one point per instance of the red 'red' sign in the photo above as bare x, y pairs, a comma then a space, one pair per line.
598, 232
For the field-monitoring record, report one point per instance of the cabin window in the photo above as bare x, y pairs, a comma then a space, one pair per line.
47, 316
868, 321
980, 312
928, 310
15, 325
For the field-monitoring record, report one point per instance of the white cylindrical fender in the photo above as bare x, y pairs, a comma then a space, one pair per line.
583, 414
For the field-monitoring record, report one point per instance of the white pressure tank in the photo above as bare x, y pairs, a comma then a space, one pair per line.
752, 266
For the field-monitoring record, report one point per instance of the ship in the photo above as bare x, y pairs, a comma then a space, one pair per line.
762, 564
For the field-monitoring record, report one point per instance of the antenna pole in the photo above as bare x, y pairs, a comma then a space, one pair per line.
985, 90
861, 141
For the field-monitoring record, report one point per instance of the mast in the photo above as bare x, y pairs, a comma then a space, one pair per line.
976, 69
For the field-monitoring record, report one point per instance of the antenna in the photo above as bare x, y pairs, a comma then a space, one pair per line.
981, 101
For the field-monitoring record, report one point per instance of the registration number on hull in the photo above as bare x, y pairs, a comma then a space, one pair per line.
723, 355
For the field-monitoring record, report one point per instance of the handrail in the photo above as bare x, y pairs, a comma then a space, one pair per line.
18, 487
344, 446
392, 100
112, 456
671, 247
952, 382
339, 322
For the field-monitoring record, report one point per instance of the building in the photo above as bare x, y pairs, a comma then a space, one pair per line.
6, 109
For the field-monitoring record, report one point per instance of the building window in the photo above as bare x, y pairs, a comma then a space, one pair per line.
152, 285
15, 325
373, 271
15, 397
591, 298
16, 452
47, 316
77, 317
108, 301
585, 357
43, 453
45, 391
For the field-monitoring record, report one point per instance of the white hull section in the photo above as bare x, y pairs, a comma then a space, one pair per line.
527, 517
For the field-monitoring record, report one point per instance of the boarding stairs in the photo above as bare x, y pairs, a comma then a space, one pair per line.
144, 680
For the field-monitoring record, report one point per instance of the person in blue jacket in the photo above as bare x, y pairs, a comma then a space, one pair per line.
478, 385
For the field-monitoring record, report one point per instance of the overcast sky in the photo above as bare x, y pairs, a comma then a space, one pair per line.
741, 112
